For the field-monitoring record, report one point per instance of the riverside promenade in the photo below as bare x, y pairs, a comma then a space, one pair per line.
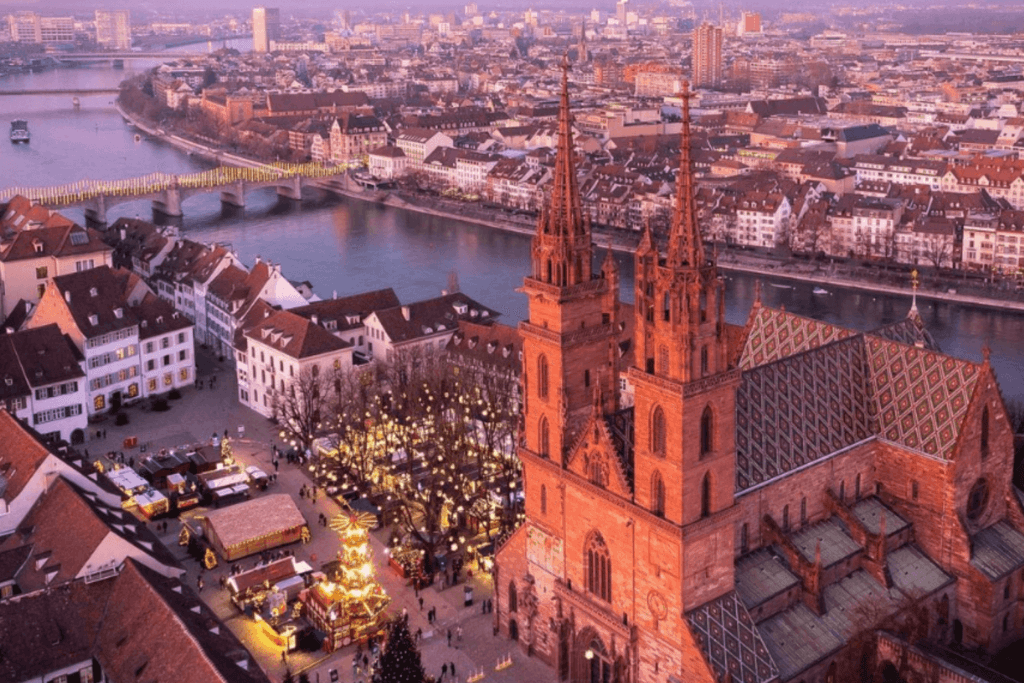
622, 241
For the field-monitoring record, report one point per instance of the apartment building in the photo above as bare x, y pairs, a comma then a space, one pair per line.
353, 136
38, 245
42, 383
418, 143
424, 327
107, 326
285, 354
114, 29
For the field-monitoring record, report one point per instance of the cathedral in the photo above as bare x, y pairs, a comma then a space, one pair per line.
785, 500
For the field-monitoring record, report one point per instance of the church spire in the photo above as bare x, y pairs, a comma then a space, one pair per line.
562, 246
685, 244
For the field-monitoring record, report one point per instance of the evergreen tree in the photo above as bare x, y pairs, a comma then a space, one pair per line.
400, 661
303, 677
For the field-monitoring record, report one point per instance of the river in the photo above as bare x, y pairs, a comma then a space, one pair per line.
348, 246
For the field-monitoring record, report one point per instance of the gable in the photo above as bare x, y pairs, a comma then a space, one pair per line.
775, 334
595, 456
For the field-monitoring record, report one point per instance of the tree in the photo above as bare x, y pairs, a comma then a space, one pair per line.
303, 677
302, 403
288, 678
424, 435
400, 662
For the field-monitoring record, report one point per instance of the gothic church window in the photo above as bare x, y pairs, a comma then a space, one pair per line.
984, 432
543, 499
657, 494
599, 568
544, 436
658, 432
706, 432
513, 599
705, 496
542, 376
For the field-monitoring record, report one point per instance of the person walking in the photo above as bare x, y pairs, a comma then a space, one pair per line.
421, 603
452, 667
444, 671
449, 637
458, 631
199, 583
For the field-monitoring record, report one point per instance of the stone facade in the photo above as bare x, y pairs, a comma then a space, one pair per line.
786, 482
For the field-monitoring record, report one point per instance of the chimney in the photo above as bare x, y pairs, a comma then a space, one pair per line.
406, 313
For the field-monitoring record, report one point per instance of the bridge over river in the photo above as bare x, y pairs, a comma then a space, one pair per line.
167, 191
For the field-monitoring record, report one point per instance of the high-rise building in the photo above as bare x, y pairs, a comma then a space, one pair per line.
707, 55
29, 27
266, 27
114, 29
622, 11
749, 24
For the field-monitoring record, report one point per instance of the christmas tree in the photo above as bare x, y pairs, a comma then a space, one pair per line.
400, 661
354, 591
227, 454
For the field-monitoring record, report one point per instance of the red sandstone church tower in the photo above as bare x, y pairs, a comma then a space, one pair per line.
629, 511
775, 492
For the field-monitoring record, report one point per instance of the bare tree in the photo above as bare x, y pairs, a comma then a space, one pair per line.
301, 404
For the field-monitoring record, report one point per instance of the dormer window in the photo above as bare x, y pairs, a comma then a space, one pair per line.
93, 291
118, 313
144, 324
94, 319
159, 320
37, 246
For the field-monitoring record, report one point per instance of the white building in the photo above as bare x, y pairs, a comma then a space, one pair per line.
762, 219
278, 356
418, 143
42, 383
387, 162
168, 348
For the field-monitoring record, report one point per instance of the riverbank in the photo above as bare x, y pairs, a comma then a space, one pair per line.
617, 240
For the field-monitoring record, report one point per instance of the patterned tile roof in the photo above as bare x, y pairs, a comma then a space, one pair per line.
730, 641
910, 331
799, 409
775, 334
921, 396
843, 388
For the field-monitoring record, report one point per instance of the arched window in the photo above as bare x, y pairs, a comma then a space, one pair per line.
707, 427
705, 495
842, 490
599, 568
663, 359
658, 432
657, 494
543, 499
703, 360
513, 599
830, 674
856, 487
744, 538
984, 432
785, 517
803, 510
542, 376
544, 436
665, 308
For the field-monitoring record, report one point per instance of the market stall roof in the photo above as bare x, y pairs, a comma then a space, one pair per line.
254, 518
149, 497
126, 479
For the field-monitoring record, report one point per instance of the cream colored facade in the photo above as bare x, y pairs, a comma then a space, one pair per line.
26, 278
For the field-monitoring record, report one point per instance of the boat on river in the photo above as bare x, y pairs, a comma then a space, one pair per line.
19, 131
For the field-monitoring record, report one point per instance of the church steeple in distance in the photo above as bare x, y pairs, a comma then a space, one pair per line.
685, 245
562, 249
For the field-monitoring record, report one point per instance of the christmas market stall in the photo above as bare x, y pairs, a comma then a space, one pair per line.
254, 526
152, 503
251, 590
348, 605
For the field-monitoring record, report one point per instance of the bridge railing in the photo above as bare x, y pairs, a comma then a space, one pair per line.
83, 190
